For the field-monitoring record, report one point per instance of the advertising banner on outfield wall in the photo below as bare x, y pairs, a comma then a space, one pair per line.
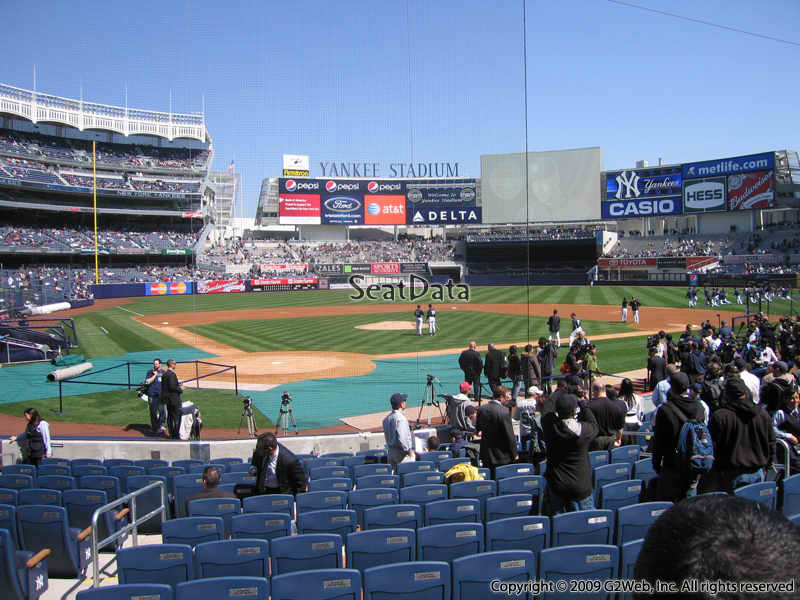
704, 195
618, 263
443, 214
646, 207
283, 267
671, 262
751, 190
386, 268
642, 193
729, 166
168, 288
418, 268
429, 194
220, 286
283, 281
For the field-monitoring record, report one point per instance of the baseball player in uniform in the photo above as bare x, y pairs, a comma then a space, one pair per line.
576, 329
431, 320
554, 327
625, 309
418, 315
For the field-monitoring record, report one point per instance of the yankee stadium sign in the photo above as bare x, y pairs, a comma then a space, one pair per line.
368, 168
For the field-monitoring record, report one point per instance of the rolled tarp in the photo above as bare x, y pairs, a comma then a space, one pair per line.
66, 373
50, 308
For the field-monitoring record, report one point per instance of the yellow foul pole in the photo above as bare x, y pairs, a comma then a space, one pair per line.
94, 192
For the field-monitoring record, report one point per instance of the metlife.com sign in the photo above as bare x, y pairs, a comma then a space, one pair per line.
729, 166
642, 193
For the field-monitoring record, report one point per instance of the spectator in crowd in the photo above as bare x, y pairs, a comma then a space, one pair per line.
471, 364
171, 391
634, 416
432, 443
495, 367
397, 433
609, 412
493, 423
525, 412
211, 479
457, 405
277, 469
546, 354
514, 371
530, 367
34, 442
673, 482
656, 368
752, 382
719, 539
568, 435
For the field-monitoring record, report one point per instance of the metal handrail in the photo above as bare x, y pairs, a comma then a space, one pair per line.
787, 463
126, 528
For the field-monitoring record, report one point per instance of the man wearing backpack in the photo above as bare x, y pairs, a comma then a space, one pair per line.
530, 433
744, 441
675, 480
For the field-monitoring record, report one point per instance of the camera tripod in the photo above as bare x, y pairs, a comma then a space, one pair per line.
429, 398
286, 413
247, 413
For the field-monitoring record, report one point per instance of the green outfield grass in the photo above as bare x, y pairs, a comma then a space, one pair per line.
122, 335
123, 408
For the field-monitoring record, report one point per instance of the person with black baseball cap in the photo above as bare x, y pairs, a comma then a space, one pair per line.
397, 433
568, 434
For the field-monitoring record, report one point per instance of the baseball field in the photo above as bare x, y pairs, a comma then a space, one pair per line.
336, 357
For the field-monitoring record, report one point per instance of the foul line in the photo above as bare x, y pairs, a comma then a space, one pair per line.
130, 311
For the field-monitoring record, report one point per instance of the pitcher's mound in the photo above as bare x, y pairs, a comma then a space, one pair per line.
390, 326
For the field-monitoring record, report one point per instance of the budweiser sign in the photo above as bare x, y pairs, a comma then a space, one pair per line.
390, 268
751, 190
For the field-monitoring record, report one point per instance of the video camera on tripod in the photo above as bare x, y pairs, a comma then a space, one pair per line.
286, 413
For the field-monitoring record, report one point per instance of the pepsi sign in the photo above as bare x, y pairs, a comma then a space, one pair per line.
342, 210
334, 186
299, 185
374, 187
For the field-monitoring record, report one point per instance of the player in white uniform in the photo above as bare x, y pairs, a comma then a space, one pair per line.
431, 320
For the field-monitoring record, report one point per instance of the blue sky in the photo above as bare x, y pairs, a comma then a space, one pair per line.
426, 80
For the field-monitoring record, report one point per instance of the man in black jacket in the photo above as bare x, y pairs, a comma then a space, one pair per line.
531, 369
674, 483
495, 367
744, 440
569, 474
471, 363
609, 412
171, 391
277, 470
656, 367
498, 442
547, 359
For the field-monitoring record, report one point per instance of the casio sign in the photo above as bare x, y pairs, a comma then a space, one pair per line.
342, 204
704, 195
665, 206
374, 187
292, 185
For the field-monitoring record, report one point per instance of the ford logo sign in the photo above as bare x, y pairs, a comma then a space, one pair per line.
342, 204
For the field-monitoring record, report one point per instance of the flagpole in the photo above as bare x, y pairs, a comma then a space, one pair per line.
94, 194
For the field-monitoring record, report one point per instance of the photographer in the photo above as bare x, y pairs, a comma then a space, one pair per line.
158, 410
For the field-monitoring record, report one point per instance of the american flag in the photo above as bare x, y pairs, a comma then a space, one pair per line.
231, 167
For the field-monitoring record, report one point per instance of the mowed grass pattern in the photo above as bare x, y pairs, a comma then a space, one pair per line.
121, 336
339, 333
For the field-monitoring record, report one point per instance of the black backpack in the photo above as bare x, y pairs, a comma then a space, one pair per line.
775, 394
712, 394
535, 449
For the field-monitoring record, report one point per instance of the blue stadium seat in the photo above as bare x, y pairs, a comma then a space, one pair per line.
473, 574
60, 462
261, 526
21, 577
191, 531
628, 553
117, 462
304, 552
621, 493
41, 527
354, 461
320, 584
79, 471
169, 564
224, 587
434, 456
510, 505
81, 504
53, 469
150, 463
524, 484
56, 482
395, 516
422, 494
377, 547
131, 591
541, 467
518, 533
765, 492
583, 527
270, 503
338, 521
222, 467
629, 454
422, 478
229, 558
598, 458
377, 481
420, 580
85, 462
336, 455
415, 467
8, 496
148, 501
474, 489
29, 470
225, 508
455, 510
122, 472
328, 461
110, 485
579, 562
371, 469
376, 454
485, 473
30, 496
643, 469
359, 500
15, 482
320, 501
235, 478
609, 474
198, 469
791, 495
448, 541
514, 470
634, 521
228, 462
240, 467
185, 486
328, 472
445, 464
326, 484
187, 463
8, 521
